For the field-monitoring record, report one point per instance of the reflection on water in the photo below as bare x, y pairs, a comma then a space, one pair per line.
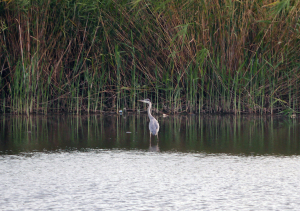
211, 134
109, 163
153, 148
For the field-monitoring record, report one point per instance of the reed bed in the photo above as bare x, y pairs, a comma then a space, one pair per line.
201, 56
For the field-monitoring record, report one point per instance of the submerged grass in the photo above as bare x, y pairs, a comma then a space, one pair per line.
206, 56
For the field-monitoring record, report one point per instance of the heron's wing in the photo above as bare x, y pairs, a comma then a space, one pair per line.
154, 126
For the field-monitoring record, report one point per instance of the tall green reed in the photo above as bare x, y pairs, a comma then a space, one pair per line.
209, 56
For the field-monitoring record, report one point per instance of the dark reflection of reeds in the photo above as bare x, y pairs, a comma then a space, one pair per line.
187, 133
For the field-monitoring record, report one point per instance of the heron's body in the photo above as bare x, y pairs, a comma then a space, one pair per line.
154, 127
153, 124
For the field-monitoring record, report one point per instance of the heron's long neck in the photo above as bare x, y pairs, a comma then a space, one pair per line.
149, 111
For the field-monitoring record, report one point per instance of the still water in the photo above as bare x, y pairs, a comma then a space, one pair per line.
108, 163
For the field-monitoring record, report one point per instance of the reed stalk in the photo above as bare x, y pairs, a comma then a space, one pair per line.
195, 56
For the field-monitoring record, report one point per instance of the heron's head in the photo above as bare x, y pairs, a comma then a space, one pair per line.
145, 101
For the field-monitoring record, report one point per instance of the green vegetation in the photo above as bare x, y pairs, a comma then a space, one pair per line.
187, 56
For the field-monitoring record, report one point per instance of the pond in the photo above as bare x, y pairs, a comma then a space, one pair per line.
108, 162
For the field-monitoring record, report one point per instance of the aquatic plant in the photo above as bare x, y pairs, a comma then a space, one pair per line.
187, 56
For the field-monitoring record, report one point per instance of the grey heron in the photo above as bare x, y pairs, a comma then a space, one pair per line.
153, 124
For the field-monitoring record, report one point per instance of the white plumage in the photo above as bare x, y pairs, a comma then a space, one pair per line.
153, 124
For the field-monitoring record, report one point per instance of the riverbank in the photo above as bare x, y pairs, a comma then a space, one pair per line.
193, 57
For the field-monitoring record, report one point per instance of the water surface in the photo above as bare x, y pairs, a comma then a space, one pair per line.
246, 135
108, 163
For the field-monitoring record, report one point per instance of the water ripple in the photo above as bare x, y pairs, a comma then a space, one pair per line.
139, 180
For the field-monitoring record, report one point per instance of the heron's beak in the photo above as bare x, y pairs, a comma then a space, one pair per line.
143, 101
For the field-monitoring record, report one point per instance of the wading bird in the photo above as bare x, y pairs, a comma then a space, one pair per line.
153, 124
